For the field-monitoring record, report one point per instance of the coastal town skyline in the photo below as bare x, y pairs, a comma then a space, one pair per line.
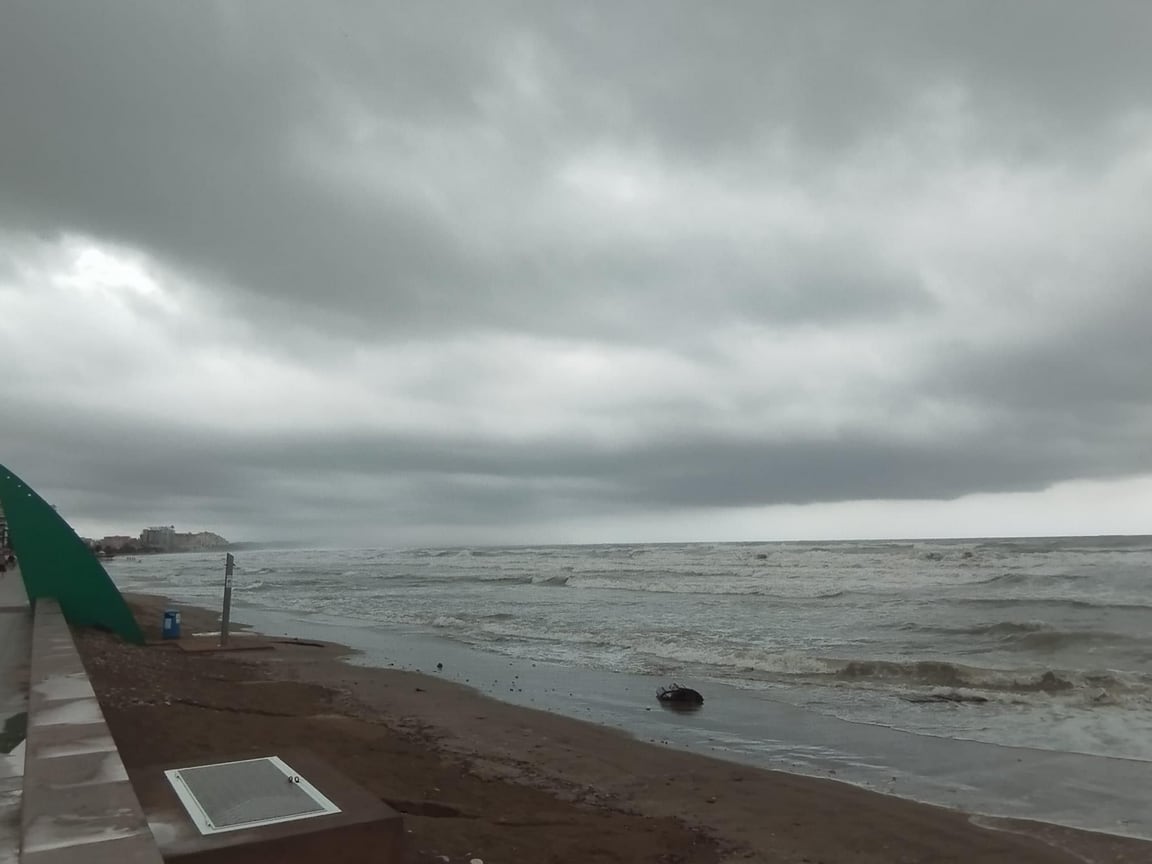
519, 273
159, 538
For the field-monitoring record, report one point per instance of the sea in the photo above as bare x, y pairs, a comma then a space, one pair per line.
1009, 677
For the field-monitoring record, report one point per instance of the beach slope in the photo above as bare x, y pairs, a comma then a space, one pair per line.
476, 777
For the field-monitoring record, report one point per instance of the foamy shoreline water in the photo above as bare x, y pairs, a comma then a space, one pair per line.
1053, 635
750, 728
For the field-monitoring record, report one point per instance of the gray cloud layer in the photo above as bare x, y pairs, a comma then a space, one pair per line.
533, 263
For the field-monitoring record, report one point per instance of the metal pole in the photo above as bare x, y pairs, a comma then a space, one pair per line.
229, 561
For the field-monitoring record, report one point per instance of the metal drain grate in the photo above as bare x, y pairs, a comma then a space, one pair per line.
234, 795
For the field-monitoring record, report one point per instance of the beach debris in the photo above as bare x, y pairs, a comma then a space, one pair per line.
679, 696
440, 666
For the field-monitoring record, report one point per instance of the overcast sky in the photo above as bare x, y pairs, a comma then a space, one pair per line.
528, 272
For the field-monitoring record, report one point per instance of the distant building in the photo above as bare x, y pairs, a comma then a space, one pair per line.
168, 539
199, 540
115, 542
163, 538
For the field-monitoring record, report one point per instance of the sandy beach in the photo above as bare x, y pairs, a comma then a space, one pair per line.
476, 777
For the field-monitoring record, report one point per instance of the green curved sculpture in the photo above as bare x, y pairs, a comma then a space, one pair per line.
54, 562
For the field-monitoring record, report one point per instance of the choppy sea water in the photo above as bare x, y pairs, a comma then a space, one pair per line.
1042, 643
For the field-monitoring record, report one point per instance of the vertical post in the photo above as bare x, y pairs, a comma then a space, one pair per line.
229, 561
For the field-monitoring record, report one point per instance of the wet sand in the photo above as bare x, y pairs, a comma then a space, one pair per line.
477, 777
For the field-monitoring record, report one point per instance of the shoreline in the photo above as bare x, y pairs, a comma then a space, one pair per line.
700, 807
752, 728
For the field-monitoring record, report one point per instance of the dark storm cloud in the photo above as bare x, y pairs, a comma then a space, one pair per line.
325, 487
832, 72
180, 128
168, 128
1092, 366
737, 189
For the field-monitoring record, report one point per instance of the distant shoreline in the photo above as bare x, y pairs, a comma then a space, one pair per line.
126, 553
247, 546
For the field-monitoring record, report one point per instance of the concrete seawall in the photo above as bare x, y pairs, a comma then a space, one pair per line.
78, 804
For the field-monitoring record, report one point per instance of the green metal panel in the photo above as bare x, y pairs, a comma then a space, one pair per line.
56, 563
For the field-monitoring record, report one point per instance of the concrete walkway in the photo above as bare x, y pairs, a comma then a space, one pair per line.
15, 650
78, 805
65, 797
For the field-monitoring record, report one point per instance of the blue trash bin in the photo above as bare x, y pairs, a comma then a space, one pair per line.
171, 623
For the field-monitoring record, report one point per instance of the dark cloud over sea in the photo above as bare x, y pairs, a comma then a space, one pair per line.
536, 271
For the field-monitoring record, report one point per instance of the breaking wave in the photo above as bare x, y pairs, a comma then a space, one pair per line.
1065, 602
558, 580
1034, 635
936, 673
999, 628
798, 667
1016, 577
